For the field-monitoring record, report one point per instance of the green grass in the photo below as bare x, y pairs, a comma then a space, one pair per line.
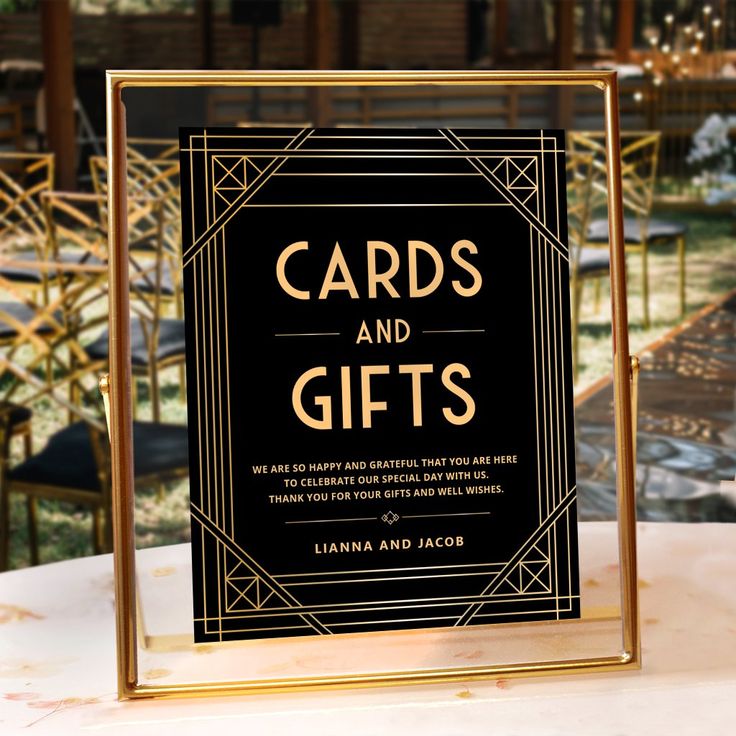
711, 273
65, 530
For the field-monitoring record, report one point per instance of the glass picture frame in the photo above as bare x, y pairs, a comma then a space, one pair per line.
152, 638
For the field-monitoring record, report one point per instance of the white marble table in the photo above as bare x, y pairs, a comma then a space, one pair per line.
57, 669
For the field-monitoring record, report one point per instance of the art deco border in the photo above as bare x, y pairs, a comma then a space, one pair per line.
120, 379
244, 593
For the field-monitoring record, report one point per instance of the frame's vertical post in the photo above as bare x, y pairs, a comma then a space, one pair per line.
120, 393
625, 488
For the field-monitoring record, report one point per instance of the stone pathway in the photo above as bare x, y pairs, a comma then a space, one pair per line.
687, 427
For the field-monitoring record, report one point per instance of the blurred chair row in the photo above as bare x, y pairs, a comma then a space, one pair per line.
53, 333
53, 307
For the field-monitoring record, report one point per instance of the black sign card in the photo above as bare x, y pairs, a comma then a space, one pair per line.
379, 379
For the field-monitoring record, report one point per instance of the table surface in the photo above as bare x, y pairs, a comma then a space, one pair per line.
57, 665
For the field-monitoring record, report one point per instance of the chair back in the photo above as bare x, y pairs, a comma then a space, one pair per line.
43, 357
48, 336
71, 221
23, 177
639, 158
46, 370
146, 177
151, 178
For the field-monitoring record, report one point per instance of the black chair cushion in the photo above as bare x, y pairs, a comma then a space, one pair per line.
148, 285
14, 415
656, 230
170, 342
24, 314
593, 260
68, 460
32, 275
142, 244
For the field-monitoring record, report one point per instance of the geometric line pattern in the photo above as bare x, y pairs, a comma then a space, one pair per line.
511, 195
230, 178
231, 175
254, 570
242, 197
513, 569
234, 178
518, 175
245, 591
531, 575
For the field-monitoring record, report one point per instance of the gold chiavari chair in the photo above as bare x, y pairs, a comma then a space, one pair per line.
29, 346
19, 314
154, 177
23, 179
150, 177
158, 179
146, 177
639, 158
157, 342
74, 464
15, 317
21, 221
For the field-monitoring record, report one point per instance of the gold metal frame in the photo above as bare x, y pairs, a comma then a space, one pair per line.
120, 395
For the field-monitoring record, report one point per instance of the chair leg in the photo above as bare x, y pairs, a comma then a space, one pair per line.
645, 284
134, 392
98, 540
32, 516
576, 299
106, 536
74, 400
4, 526
597, 296
155, 395
681, 259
